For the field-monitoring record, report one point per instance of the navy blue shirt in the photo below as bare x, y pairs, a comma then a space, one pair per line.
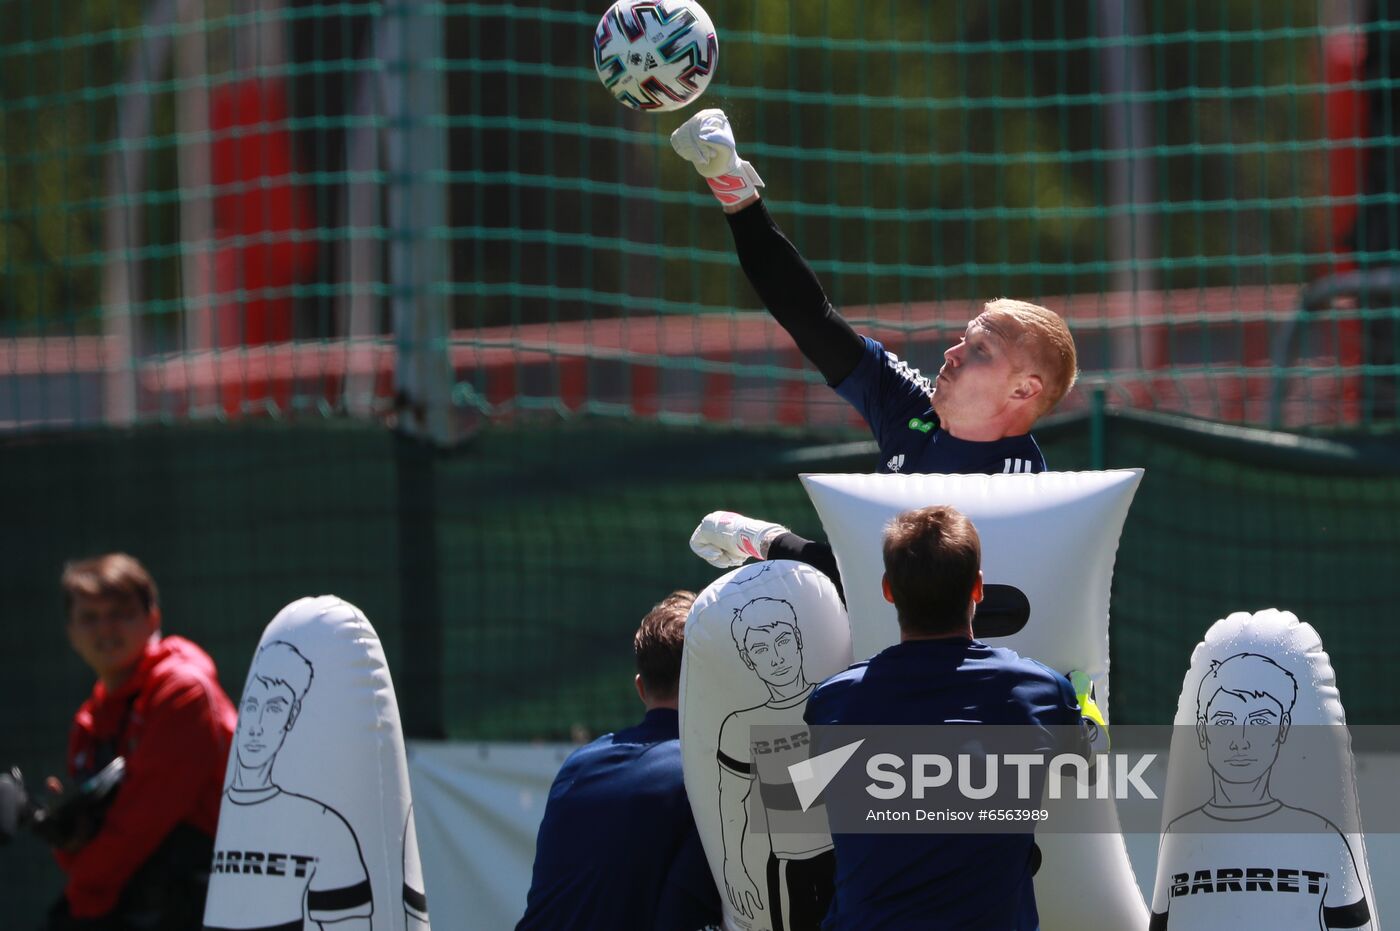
939, 881
895, 400
618, 847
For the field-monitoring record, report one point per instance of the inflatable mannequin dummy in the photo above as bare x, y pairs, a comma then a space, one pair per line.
1261, 823
316, 830
757, 642
1053, 537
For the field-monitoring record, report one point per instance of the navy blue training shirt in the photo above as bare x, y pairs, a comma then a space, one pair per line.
939, 881
894, 398
618, 847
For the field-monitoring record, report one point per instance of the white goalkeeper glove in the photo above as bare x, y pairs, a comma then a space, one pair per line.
706, 141
725, 539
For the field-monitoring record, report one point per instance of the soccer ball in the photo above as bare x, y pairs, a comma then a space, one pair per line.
657, 55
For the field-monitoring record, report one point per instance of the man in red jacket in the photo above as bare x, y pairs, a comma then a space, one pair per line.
158, 704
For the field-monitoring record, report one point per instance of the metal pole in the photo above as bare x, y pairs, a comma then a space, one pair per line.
415, 156
1132, 238
121, 221
360, 248
196, 207
417, 213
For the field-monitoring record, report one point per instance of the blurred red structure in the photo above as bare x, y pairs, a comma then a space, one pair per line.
1346, 123
262, 226
721, 368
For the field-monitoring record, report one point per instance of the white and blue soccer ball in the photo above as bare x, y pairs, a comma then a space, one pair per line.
655, 54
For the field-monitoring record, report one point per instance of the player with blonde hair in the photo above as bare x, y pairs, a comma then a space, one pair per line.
1012, 366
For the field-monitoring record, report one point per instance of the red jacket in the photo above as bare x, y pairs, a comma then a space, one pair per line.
174, 724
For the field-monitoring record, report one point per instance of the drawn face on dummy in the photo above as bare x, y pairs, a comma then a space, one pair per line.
1242, 715
268, 712
772, 644
1242, 734
775, 653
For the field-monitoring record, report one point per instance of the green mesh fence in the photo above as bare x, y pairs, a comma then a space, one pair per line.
506, 577
432, 216
227, 209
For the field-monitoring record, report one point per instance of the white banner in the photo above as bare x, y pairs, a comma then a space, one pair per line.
478, 808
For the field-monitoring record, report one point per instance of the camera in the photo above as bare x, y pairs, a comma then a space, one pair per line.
66, 820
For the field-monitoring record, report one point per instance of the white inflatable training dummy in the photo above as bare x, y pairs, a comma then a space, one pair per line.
1261, 827
757, 642
1053, 536
316, 830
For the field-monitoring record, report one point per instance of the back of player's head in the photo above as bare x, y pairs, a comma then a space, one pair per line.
761, 614
660, 643
280, 663
113, 575
1247, 675
932, 559
1045, 343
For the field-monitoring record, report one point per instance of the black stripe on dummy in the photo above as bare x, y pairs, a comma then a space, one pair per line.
337, 900
1346, 916
733, 765
1003, 611
414, 899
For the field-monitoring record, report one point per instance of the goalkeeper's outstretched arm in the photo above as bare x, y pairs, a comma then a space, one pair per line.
784, 281
725, 539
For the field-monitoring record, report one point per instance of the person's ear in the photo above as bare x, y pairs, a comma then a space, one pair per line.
885, 588
293, 714
641, 689
977, 589
1283, 725
1028, 387
153, 620
1201, 733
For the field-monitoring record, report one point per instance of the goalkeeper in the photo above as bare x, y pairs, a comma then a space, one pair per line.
1014, 363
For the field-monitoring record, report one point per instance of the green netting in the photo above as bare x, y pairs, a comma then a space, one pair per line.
507, 577
224, 209
432, 215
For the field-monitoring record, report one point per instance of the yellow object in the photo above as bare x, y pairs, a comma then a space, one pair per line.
1083, 691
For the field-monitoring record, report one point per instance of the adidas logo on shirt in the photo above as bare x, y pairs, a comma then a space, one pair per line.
896, 463
1017, 466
